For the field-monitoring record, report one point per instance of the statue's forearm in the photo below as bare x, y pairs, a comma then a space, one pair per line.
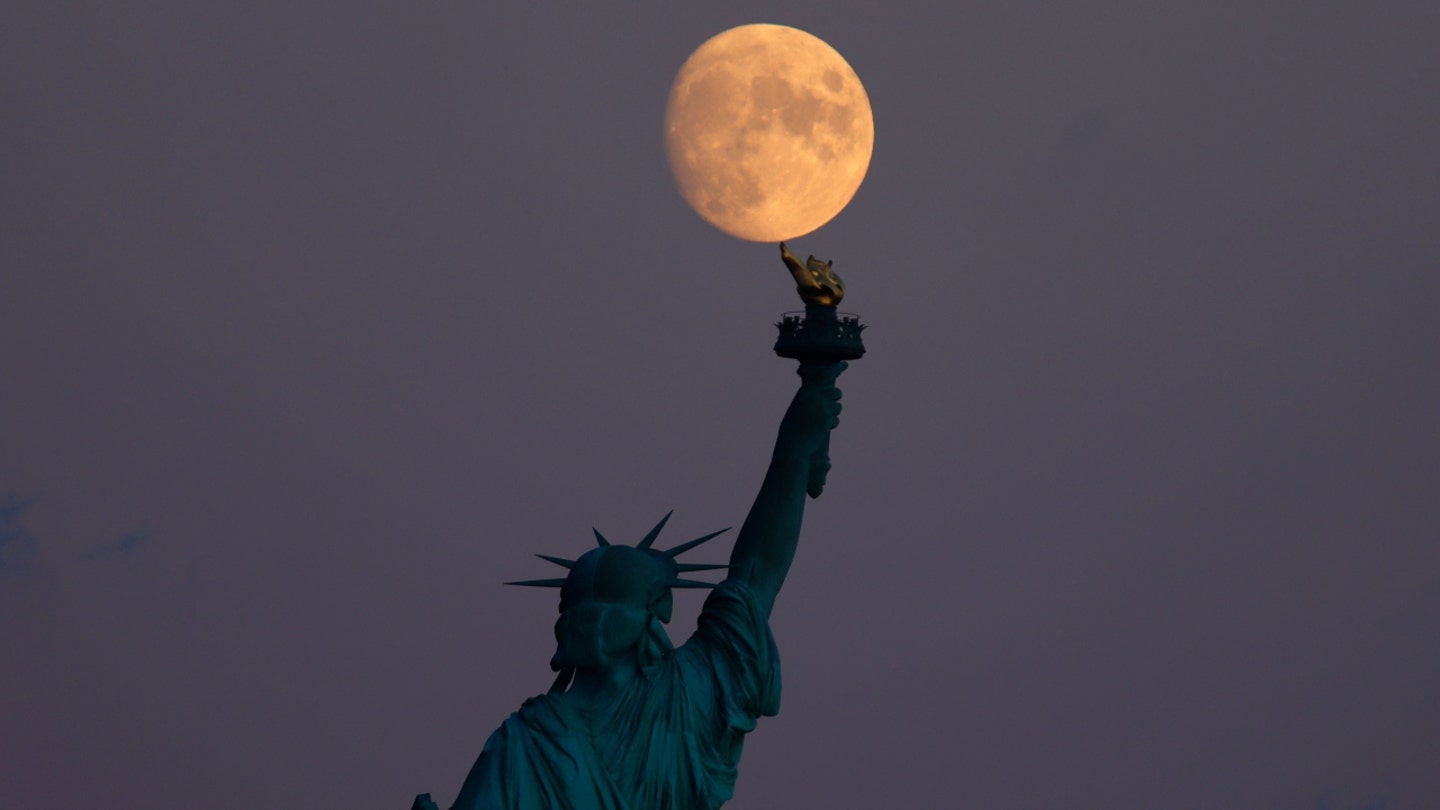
766, 544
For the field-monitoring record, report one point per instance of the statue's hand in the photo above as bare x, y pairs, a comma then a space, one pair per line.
813, 413
821, 375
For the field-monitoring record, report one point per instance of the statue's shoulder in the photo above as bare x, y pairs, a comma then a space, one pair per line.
547, 713
731, 618
733, 596
537, 700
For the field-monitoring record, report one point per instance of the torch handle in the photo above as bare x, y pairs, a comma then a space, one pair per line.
825, 373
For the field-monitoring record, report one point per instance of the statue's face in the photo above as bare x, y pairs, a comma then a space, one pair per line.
595, 635
605, 605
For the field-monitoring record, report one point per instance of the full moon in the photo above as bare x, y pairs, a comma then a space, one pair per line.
769, 132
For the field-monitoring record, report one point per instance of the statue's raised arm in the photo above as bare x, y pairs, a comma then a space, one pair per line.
766, 544
632, 721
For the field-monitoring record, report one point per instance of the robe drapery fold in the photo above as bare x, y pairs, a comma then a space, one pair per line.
671, 742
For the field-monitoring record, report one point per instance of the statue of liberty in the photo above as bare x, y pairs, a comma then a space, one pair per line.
633, 722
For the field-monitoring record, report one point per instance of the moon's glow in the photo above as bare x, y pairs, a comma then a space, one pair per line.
769, 132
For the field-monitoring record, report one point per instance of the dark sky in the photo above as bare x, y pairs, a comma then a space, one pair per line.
318, 319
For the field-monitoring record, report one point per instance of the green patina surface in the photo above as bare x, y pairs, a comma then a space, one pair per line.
633, 722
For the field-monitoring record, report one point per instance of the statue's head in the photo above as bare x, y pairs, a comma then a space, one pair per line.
614, 601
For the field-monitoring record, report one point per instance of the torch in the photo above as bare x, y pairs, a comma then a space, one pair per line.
819, 336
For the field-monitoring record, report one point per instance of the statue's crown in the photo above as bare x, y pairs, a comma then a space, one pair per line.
612, 573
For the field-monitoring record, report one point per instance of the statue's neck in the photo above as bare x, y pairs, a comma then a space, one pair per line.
604, 685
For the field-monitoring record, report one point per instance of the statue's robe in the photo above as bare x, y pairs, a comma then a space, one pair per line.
672, 742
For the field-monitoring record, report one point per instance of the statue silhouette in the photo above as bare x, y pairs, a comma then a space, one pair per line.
632, 722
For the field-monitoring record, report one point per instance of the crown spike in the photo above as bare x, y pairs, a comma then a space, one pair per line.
686, 567
560, 561
690, 583
599, 538
655, 532
684, 547
541, 583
